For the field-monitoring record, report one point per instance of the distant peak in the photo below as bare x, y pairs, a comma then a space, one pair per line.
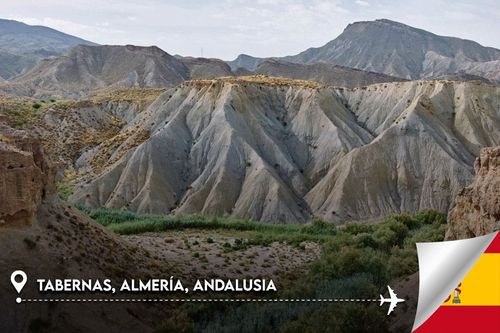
362, 26
386, 22
244, 56
390, 22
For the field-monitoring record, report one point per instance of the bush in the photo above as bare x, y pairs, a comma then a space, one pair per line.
36, 105
319, 226
64, 191
357, 228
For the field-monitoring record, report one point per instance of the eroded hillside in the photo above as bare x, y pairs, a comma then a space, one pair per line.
286, 150
68, 128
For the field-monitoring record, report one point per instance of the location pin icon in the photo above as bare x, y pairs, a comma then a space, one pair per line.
18, 285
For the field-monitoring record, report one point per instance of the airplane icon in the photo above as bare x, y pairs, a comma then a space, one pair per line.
393, 300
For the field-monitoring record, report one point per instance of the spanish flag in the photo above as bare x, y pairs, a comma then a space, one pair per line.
474, 304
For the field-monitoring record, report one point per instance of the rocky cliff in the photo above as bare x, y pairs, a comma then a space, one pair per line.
477, 207
27, 176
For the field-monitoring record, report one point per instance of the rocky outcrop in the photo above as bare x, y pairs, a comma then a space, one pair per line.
477, 207
27, 176
285, 151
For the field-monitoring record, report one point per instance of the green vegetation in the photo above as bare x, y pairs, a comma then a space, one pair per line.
357, 261
64, 191
128, 223
23, 112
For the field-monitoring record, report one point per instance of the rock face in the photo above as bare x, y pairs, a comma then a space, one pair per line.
396, 49
27, 176
285, 150
477, 207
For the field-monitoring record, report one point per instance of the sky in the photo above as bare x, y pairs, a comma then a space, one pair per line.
225, 28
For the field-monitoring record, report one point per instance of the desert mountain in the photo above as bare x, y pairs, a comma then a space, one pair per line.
285, 150
397, 49
246, 61
84, 70
205, 68
22, 45
323, 73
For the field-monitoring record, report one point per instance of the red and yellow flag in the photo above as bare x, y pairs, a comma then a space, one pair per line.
474, 306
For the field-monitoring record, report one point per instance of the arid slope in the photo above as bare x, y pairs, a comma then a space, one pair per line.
286, 150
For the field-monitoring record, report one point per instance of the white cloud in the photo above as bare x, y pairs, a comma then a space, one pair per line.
362, 3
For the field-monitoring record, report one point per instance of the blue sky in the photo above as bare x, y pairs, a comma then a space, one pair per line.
226, 28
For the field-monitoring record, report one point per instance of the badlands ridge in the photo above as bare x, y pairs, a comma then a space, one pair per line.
282, 150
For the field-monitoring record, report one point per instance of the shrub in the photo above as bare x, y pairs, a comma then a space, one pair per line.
319, 226
64, 191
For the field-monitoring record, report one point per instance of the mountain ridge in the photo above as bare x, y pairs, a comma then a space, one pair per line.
397, 49
84, 70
